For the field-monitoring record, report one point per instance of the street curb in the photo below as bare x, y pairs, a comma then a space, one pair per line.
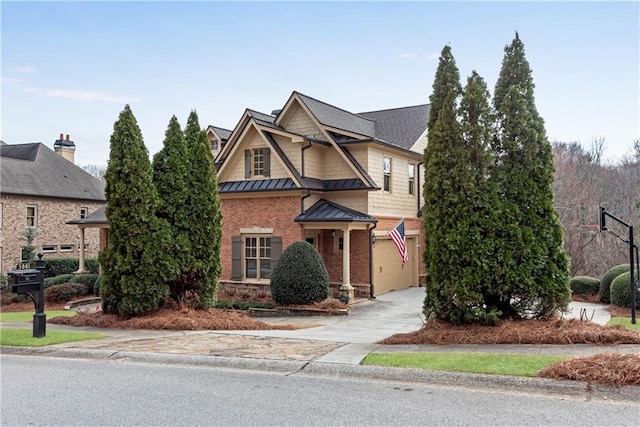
496, 383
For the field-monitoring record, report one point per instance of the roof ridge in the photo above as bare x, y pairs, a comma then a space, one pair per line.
332, 106
396, 108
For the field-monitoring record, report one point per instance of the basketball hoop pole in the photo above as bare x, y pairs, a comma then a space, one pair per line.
602, 220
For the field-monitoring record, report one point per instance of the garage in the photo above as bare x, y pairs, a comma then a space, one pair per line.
388, 271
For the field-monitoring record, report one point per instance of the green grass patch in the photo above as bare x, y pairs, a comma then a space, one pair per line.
480, 363
27, 316
626, 322
24, 337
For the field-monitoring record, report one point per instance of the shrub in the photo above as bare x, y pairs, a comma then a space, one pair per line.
621, 291
96, 286
241, 305
584, 285
605, 282
62, 292
86, 279
58, 266
57, 280
3, 281
300, 276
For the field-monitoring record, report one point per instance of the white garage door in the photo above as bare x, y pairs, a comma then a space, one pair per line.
389, 272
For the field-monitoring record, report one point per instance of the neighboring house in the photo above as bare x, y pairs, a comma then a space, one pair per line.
339, 180
218, 138
43, 188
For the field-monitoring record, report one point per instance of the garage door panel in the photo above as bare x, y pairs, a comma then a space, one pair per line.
389, 272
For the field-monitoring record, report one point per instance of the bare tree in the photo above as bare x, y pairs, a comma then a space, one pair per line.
97, 171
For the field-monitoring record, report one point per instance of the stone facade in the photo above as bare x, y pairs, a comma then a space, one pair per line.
58, 239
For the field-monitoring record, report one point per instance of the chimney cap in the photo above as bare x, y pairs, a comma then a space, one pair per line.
62, 142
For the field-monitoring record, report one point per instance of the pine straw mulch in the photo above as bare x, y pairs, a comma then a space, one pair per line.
608, 368
185, 319
556, 331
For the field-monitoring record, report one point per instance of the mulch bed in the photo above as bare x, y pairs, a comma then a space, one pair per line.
518, 332
609, 369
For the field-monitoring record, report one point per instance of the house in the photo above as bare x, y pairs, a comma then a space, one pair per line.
43, 188
339, 180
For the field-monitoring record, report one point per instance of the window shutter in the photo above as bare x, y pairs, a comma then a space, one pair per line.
276, 249
267, 162
236, 258
247, 163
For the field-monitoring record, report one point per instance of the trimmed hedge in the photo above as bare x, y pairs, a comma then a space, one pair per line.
621, 291
86, 279
241, 305
584, 285
605, 282
65, 292
300, 276
58, 266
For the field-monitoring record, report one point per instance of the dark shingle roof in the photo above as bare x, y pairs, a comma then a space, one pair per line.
338, 118
400, 126
324, 210
222, 133
264, 119
97, 217
35, 170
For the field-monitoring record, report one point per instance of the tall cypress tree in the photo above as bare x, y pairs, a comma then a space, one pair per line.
444, 164
137, 264
534, 273
205, 214
170, 176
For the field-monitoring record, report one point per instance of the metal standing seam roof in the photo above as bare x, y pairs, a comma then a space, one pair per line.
280, 184
326, 211
35, 170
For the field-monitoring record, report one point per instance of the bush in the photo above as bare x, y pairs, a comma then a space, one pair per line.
605, 282
621, 291
96, 286
300, 276
58, 266
584, 285
3, 281
241, 305
65, 292
57, 280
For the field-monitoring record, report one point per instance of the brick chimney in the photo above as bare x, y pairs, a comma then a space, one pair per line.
65, 148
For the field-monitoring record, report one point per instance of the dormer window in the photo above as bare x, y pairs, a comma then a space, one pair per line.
257, 162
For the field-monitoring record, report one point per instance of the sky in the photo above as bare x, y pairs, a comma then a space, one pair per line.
71, 67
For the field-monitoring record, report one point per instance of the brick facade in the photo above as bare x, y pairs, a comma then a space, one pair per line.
51, 228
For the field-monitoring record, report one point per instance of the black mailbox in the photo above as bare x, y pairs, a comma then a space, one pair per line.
24, 281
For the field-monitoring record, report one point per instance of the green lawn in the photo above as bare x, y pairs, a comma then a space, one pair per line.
24, 337
626, 322
481, 363
27, 316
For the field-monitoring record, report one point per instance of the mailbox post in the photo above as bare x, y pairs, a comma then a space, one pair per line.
30, 282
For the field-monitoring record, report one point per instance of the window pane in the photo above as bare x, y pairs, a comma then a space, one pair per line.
387, 181
258, 161
265, 268
251, 270
412, 171
386, 164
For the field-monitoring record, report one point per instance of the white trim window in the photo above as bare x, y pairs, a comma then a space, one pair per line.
412, 179
386, 170
257, 257
32, 216
66, 248
84, 212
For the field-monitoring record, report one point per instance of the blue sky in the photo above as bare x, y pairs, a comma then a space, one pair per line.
70, 67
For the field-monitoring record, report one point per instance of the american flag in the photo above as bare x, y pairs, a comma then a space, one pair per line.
397, 235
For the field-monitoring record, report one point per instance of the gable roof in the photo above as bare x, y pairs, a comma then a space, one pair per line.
338, 118
400, 126
324, 210
97, 217
35, 170
224, 134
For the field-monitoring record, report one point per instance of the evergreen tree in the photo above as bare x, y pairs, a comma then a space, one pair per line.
533, 277
205, 214
29, 251
445, 165
170, 176
137, 263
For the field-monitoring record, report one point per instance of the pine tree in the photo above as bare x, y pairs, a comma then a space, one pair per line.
533, 275
444, 164
205, 214
137, 263
170, 176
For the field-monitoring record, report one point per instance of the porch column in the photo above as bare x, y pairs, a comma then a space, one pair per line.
346, 289
81, 269
346, 273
